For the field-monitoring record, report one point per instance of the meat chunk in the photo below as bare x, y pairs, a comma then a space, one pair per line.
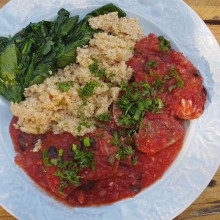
103, 152
158, 132
183, 91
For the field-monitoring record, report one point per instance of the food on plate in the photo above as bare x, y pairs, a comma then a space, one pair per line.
112, 121
34, 53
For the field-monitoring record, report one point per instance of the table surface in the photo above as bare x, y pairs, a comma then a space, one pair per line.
207, 206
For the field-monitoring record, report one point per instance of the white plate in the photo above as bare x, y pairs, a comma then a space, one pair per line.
199, 158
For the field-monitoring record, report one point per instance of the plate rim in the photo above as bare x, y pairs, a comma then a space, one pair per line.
157, 2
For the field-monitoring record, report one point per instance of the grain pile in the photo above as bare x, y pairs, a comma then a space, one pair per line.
49, 106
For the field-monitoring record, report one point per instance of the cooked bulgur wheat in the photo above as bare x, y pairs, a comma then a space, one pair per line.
46, 107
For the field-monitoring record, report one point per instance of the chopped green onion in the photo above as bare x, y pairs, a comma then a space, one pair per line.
140, 106
60, 152
117, 156
147, 103
74, 147
137, 115
86, 142
54, 161
160, 103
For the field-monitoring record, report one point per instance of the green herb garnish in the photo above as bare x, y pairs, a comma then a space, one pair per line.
134, 160
103, 117
94, 69
164, 44
74, 147
38, 129
87, 90
174, 73
152, 64
46, 158
86, 142
170, 88
83, 124
65, 86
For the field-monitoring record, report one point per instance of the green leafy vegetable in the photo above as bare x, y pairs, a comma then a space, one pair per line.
107, 9
3, 43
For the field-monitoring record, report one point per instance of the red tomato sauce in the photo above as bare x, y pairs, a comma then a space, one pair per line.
156, 144
106, 184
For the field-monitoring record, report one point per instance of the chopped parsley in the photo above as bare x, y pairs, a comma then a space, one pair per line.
170, 88
84, 159
110, 75
61, 103
136, 100
115, 141
94, 69
88, 89
174, 73
127, 150
68, 170
152, 64
46, 158
103, 117
83, 124
164, 44
134, 160
68, 174
38, 129
158, 84
65, 86
123, 151
166, 77
154, 74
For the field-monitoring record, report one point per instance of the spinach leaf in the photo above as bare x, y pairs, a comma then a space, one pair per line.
68, 25
8, 64
69, 55
3, 43
108, 9
9, 87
